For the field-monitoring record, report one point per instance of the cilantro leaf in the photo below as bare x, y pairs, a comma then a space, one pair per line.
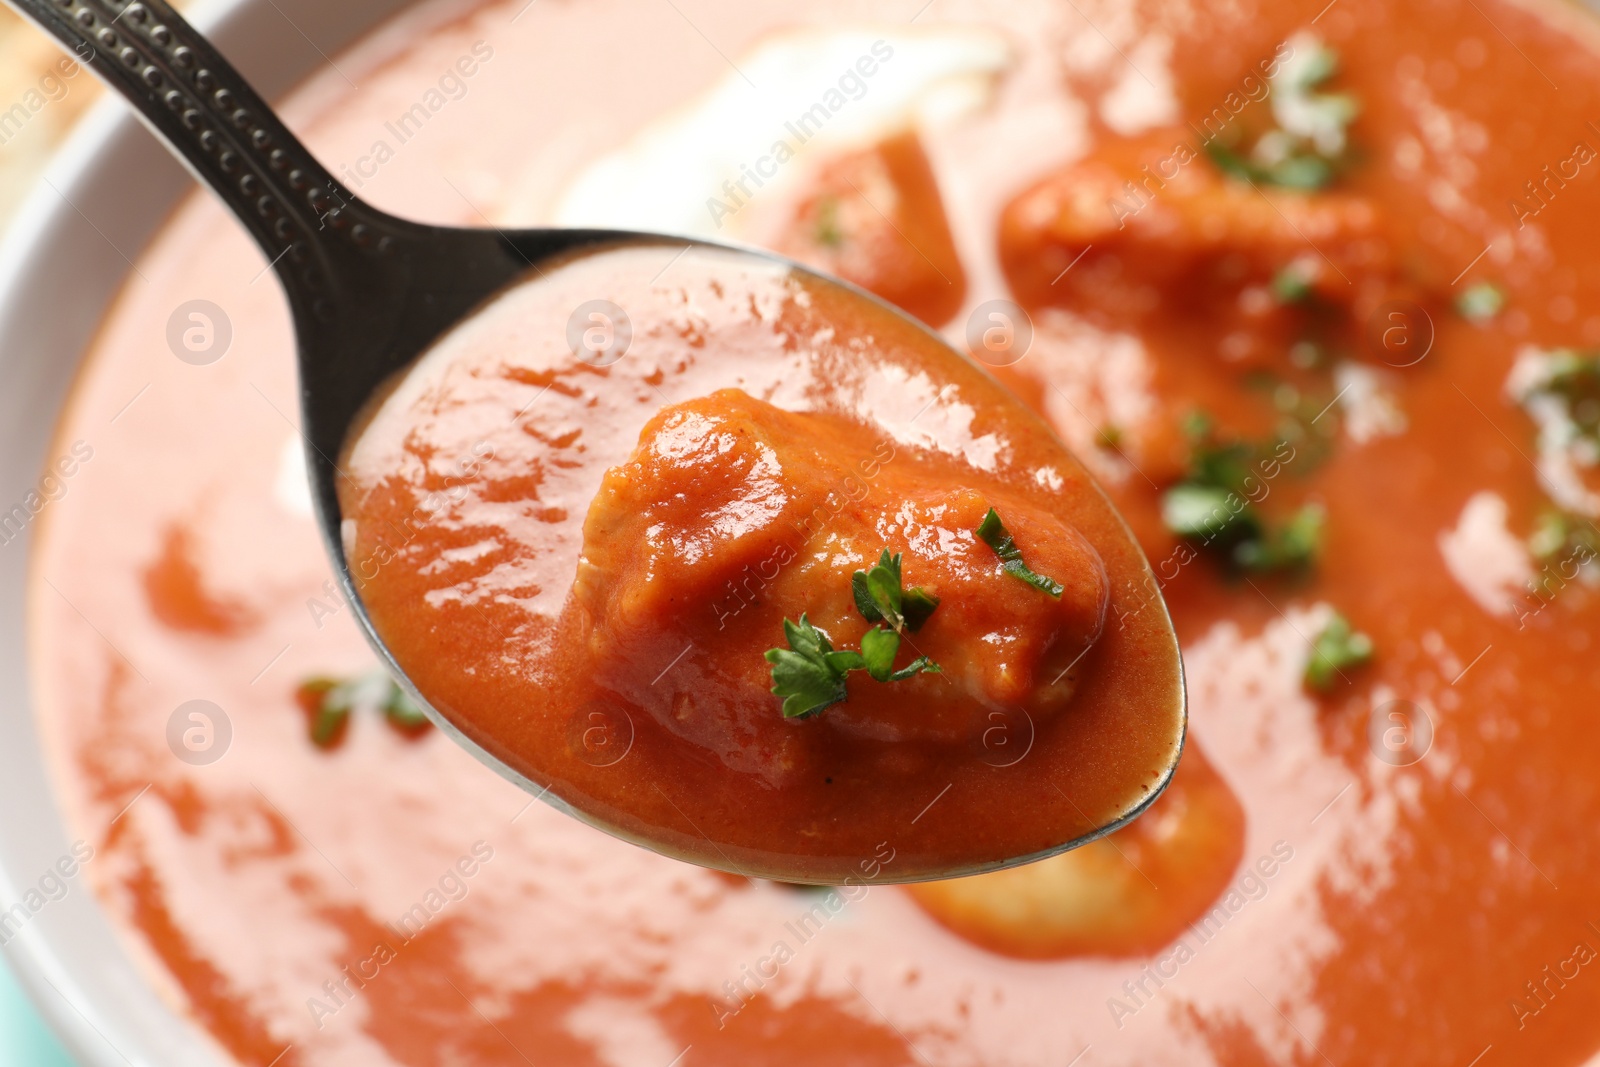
331, 703
1338, 646
1571, 379
810, 674
863, 596
1551, 536
878, 648
1203, 511
1561, 535
1198, 426
1320, 65
1295, 545
993, 532
806, 639
919, 605
1480, 303
1300, 170
403, 713
803, 673
1227, 466
829, 233
1215, 505
1232, 163
881, 597
328, 726
1307, 146
1307, 116
1562, 541
1304, 172
878, 591
1292, 284
844, 661
920, 665
807, 685
328, 703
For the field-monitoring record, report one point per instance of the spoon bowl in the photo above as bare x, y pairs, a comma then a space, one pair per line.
370, 293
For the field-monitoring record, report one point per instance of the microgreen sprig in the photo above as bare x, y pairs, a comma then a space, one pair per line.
329, 704
881, 597
1337, 647
993, 532
810, 674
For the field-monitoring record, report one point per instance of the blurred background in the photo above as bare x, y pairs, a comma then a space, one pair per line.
24, 56
24, 1040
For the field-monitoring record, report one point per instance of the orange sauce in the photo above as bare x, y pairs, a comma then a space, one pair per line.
1392, 902
557, 543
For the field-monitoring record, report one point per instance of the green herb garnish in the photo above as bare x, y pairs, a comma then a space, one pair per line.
1300, 171
878, 649
829, 234
881, 597
403, 712
1565, 546
1197, 426
1292, 284
1203, 512
1561, 534
993, 532
810, 674
1307, 355
1293, 546
1338, 646
1480, 303
1551, 536
1572, 380
1216, 503
1312, 123
1307, 148
329, 704
1229, 466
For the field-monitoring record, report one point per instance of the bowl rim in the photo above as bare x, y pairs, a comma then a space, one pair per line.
58, 280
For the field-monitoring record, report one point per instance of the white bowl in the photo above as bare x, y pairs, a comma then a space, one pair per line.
110, 190
61, 264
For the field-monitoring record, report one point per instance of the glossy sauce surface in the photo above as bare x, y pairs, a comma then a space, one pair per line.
593, 602
1374, 908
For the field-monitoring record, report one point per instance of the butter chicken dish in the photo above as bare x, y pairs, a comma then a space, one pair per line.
766, 584
1306, 293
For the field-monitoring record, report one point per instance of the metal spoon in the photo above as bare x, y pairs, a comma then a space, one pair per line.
368, 292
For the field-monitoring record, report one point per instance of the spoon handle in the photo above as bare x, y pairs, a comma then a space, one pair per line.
306, 223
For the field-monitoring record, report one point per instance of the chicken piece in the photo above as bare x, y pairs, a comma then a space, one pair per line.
1150, 227
1124, 895
734, 515
874, 217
